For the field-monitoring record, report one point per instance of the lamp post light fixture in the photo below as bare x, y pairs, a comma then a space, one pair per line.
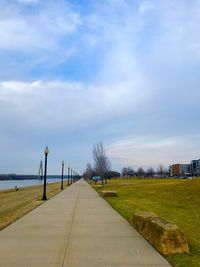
46, 152
68, 176
63, 164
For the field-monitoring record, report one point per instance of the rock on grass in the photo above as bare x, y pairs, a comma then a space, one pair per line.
165, 236
109, 193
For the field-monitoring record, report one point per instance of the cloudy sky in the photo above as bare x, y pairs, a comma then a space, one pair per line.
77, 72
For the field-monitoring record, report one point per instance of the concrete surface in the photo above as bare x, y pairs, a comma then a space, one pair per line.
76, 228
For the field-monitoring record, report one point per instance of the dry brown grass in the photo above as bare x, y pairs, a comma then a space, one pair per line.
15, 204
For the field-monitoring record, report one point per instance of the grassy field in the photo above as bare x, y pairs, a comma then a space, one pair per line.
173, 199
15, 204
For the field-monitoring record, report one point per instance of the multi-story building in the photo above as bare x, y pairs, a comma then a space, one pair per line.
185, 170
179, 170
195, 167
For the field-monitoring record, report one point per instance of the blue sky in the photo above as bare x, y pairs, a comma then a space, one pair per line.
74, 73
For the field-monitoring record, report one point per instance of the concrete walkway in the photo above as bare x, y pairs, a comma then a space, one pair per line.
76, 228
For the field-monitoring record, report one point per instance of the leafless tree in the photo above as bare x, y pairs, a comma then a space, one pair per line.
102, 164
166, 172
141, 172
150, 172
160, 170
88, 171
127, 171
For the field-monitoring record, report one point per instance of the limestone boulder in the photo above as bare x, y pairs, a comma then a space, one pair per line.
165, 236
141, 220
106, 193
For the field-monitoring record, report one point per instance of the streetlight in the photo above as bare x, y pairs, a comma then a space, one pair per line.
62, 174
68, 176
46, 152
71, 176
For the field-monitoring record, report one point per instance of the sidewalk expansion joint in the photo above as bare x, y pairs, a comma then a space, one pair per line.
70, 229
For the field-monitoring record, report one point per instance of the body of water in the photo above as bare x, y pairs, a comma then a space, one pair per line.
10, 184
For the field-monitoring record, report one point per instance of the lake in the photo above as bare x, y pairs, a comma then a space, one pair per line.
10, 184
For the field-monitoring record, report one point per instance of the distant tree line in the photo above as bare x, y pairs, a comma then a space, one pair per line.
160, 171
102, 168
90, 172
17, 177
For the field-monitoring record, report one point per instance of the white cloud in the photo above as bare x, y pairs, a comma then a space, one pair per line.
28, 34
175, 37
54, 104
41, 38
146, 6
27, 1
142, 62
150, 151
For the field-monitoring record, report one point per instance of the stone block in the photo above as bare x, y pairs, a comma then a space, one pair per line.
165, 236
141, 220
109, 193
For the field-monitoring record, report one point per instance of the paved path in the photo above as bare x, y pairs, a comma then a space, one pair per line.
76, 228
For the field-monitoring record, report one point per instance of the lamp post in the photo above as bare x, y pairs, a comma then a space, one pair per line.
46, 152
62, 174
68, 176
71, 176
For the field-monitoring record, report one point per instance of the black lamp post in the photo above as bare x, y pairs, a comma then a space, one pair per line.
62, 174
68, 176
71, 176
46, 152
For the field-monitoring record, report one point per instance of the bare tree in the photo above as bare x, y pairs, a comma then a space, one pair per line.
166, 172
127, 171
88, 171
150, 172
102, 164
141, 172
160, 170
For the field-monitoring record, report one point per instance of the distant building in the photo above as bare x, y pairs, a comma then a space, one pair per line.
179, 170
195, 167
